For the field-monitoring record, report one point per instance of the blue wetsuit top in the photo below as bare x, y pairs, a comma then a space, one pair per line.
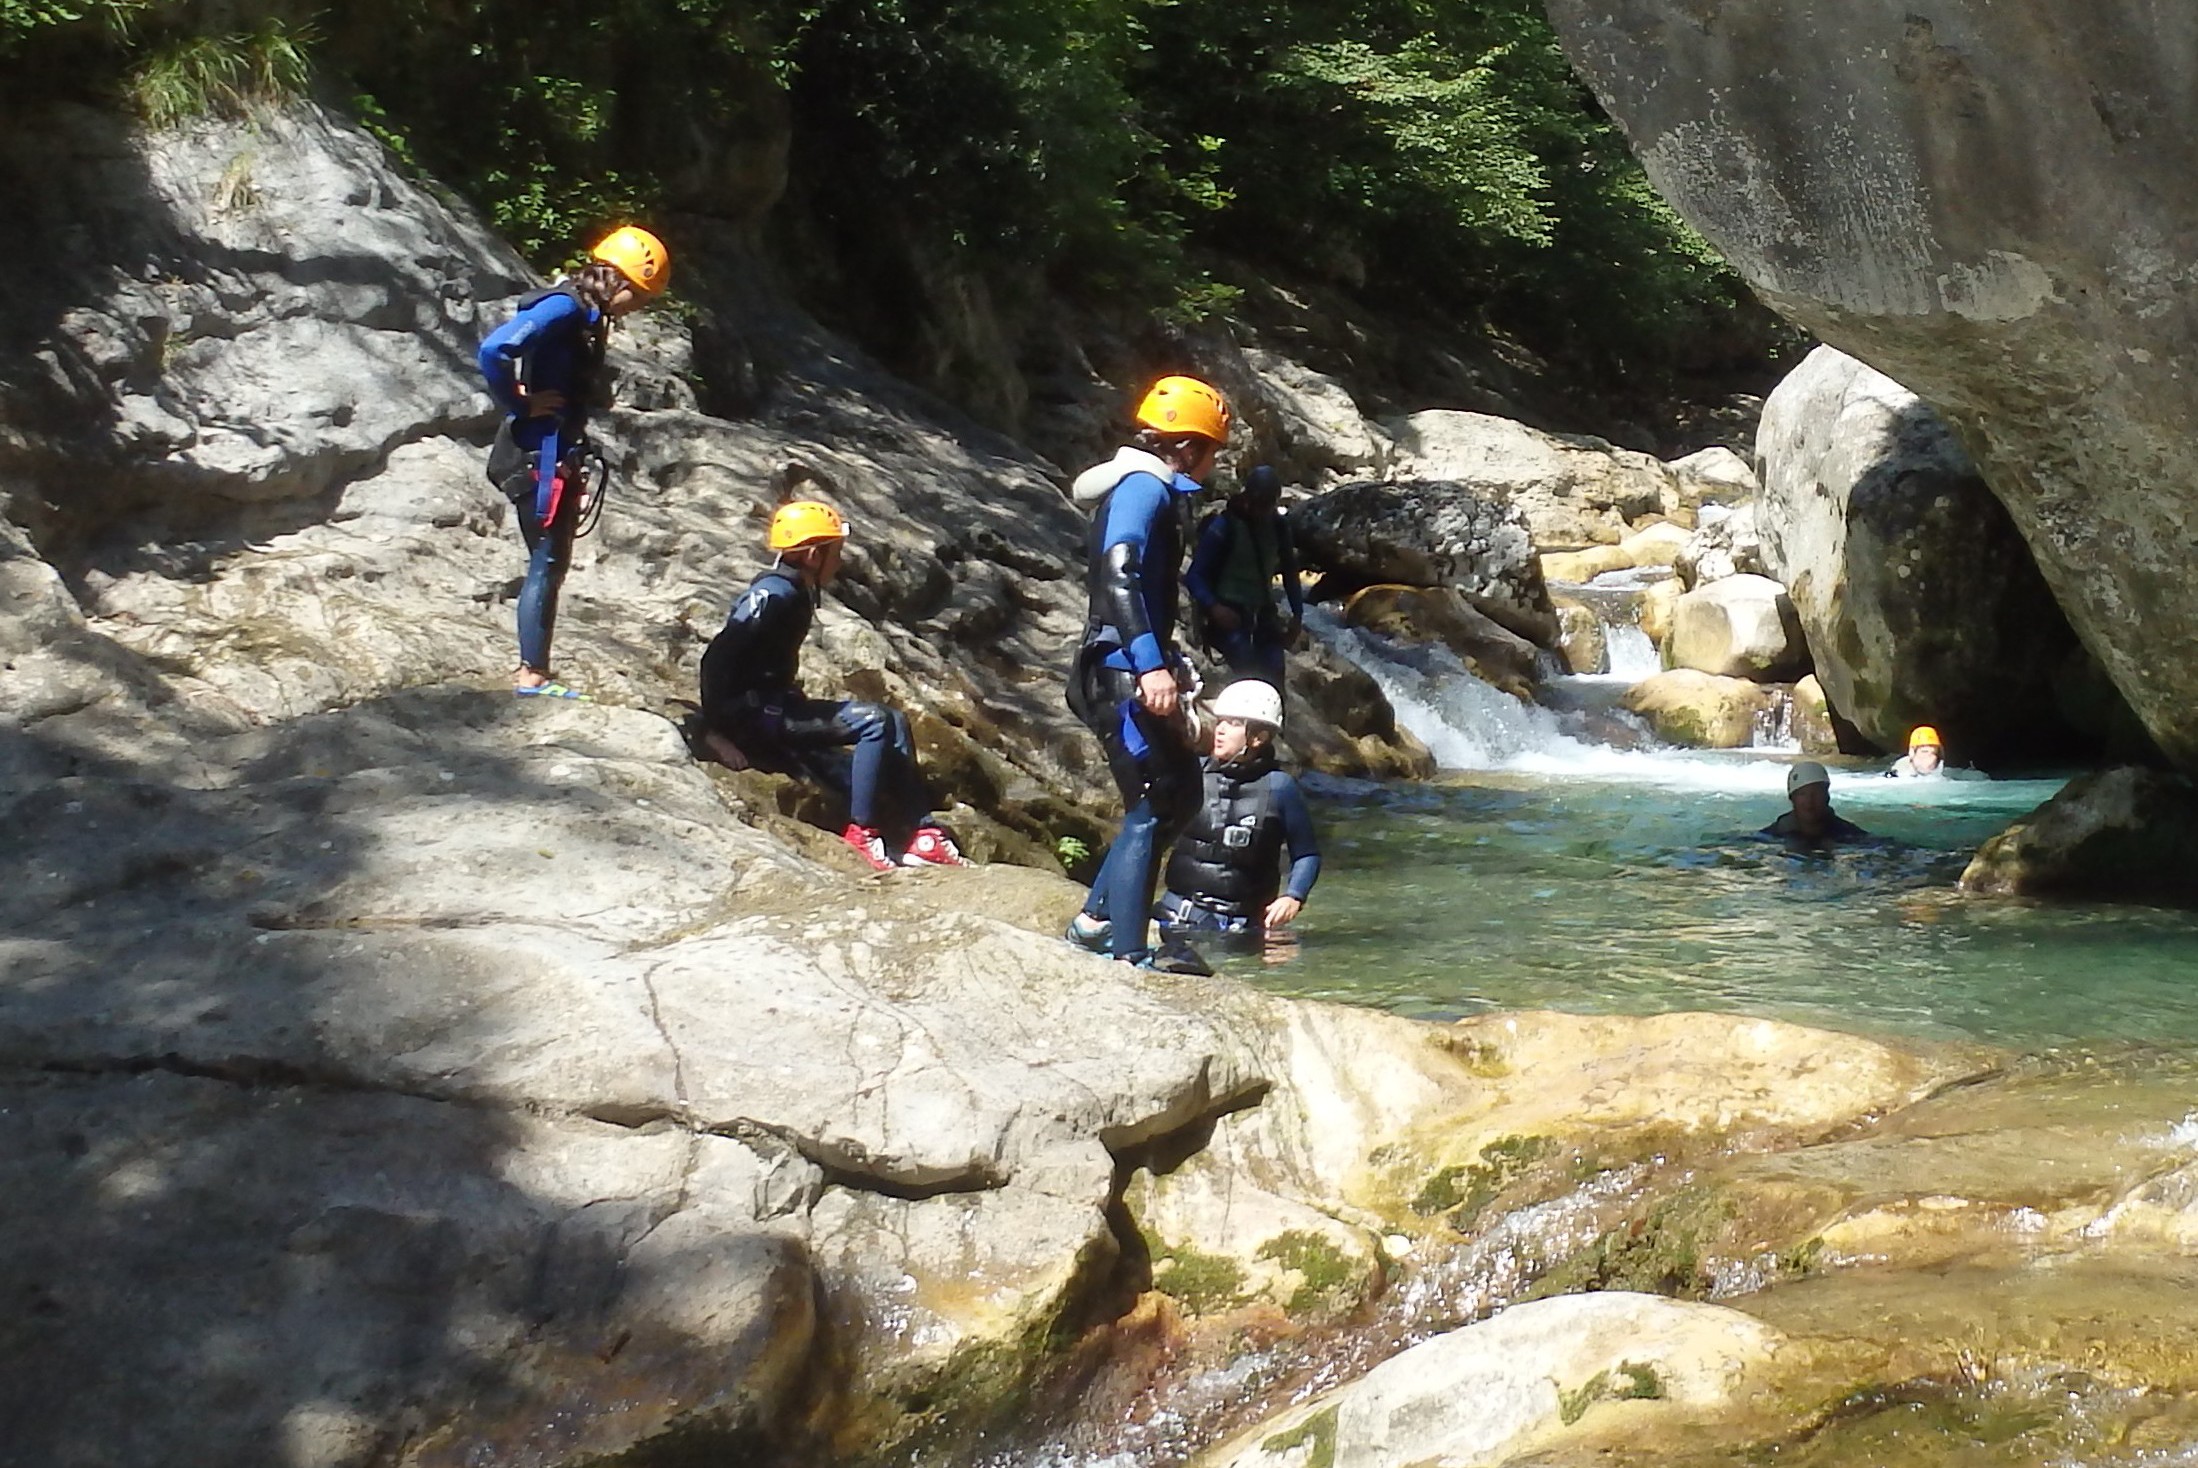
1297, 834
1135, 566
547, 343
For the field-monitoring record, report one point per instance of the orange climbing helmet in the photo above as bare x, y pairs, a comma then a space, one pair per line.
1924, 734
1185, 405
636, 254
805, 522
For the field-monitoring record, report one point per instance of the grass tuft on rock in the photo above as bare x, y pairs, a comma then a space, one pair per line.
221, 76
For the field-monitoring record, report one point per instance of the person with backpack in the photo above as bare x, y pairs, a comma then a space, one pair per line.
1129, 685
544, 367
1224, 877
754, 712
1242, 548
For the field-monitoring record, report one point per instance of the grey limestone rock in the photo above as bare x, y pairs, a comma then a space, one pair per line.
1919, 598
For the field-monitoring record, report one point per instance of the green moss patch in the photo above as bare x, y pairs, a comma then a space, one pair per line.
1326, 1274
1202, 1283
1461, 1192
1634, 1381
1317, 1431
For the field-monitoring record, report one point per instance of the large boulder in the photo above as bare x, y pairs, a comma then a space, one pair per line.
1920, 600
1426, 533
1740, 627
1701, 710
1990, 203
2119, 834
1573, 491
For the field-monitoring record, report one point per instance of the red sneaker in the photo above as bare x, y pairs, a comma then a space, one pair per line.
868, 845
932, 847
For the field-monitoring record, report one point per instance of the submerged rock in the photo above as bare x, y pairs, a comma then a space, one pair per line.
2124, 833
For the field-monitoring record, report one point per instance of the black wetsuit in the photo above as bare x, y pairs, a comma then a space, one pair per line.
750, 695
1835, 829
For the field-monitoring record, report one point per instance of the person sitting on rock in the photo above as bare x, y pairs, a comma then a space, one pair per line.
1224, 876
1242, 547
543, 368
1926, 754
753, 710
1812, 821
1128, 683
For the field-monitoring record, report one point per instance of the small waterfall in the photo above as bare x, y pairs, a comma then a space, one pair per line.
1632, 656
1469, 725
1615, 598
1774, 727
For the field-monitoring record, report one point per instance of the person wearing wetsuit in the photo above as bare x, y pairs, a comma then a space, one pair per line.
1224, 876
1242, 548
1811, 821
543, 367
753, 710
1128, 683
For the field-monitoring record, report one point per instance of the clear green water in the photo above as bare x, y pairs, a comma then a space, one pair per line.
1643, 891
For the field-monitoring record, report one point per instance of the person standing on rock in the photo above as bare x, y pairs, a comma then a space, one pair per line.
1242, 548
1224, 877
754, 712
544, 367
1812, 821
1129, 684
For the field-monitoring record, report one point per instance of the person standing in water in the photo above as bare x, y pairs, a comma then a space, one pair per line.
1242, 548
1128, 684
1224, 877
1811, 821
544, 367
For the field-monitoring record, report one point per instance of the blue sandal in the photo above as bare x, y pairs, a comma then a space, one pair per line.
551, 689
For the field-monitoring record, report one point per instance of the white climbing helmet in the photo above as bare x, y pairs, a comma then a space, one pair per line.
1252, 701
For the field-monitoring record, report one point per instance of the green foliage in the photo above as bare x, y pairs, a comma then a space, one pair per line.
1071, 850
225, 75
1433, 157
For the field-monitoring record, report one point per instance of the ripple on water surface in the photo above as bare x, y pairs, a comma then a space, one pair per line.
1517, 891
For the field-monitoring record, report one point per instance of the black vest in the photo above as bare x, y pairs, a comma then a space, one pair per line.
1230, 857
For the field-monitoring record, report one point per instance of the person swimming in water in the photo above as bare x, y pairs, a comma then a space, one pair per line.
1812, 821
